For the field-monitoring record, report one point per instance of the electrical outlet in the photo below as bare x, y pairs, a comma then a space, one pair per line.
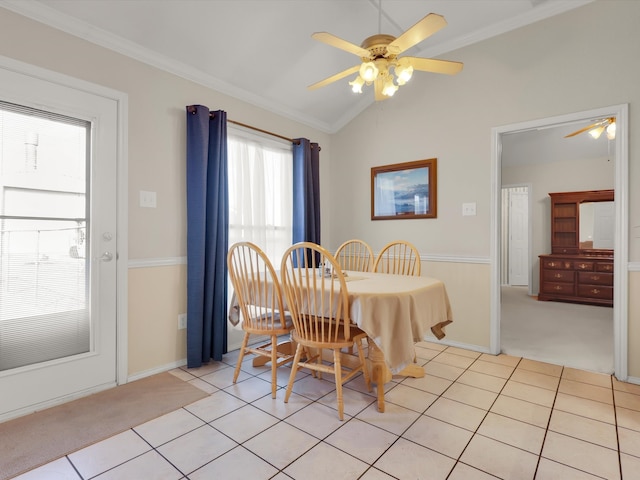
182, 321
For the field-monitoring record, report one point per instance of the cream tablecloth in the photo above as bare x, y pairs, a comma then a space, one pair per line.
396, 311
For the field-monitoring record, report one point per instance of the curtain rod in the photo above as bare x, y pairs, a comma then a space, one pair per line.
261, 130
192, 109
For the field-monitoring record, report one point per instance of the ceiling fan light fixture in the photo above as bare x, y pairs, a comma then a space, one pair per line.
356, 85
368, 71
403, 72
611, 131
596, 132
389, 87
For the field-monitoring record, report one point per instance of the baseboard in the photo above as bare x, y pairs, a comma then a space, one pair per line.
183, 361
164, 368
634, 380
465, 346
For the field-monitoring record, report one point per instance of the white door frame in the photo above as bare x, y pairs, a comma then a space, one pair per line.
621, 241
122, 255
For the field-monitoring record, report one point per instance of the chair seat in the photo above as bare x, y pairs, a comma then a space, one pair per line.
277, 326
335, 342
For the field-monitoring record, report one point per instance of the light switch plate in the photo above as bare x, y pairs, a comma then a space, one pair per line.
468, 209
182, 321
147, 199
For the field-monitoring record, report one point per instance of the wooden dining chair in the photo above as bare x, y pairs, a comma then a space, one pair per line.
355, 255
317, 297
261, 304
398, 257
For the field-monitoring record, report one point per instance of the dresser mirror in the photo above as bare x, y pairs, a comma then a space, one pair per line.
597, 225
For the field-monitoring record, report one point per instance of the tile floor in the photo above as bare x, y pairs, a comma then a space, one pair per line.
473, 416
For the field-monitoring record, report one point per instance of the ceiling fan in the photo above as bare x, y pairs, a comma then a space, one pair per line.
596, 129
380, 63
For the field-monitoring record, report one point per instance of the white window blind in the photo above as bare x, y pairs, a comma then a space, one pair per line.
44, 290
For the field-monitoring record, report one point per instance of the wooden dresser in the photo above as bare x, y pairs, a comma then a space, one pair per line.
577, 278
574, 271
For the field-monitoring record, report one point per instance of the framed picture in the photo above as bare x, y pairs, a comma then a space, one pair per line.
404, 190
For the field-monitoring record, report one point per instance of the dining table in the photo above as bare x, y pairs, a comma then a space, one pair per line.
396, 312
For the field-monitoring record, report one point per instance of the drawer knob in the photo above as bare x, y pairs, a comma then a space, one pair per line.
552, 264
558, 275
582, 265
595, 291
595, 277
557, 287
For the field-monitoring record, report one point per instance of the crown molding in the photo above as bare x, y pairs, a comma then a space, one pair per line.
541, 12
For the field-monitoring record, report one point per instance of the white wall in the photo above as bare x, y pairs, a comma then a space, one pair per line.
556, 66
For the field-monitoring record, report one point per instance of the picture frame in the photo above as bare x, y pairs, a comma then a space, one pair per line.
404, 190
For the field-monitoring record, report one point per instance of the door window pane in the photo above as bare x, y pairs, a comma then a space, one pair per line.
44, 293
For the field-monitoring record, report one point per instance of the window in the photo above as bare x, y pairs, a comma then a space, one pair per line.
260, 192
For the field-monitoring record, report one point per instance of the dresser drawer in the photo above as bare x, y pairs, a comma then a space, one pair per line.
559, 288
595, 291
559, 276
595, 278
583, 266
556, 264
604, 267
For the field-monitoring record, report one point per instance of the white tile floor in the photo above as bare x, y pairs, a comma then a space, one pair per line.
473, 416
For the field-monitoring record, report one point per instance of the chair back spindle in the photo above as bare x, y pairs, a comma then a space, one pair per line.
400, 258
355, 255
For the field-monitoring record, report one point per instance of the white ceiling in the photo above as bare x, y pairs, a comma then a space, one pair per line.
261, 51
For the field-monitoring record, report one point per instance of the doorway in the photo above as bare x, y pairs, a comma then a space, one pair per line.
61, 261
620, 159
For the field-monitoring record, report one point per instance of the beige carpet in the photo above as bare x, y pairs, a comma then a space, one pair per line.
33, 440
568, 334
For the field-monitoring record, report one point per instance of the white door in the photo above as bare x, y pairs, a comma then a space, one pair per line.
58, 248
518, 238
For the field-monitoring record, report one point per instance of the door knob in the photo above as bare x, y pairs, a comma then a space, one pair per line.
106, 257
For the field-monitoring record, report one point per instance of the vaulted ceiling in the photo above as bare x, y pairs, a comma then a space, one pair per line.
261, 51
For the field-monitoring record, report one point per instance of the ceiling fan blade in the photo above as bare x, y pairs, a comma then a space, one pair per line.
337, 42
414, 35
577, 132
333, 78
436, 66
602, 123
